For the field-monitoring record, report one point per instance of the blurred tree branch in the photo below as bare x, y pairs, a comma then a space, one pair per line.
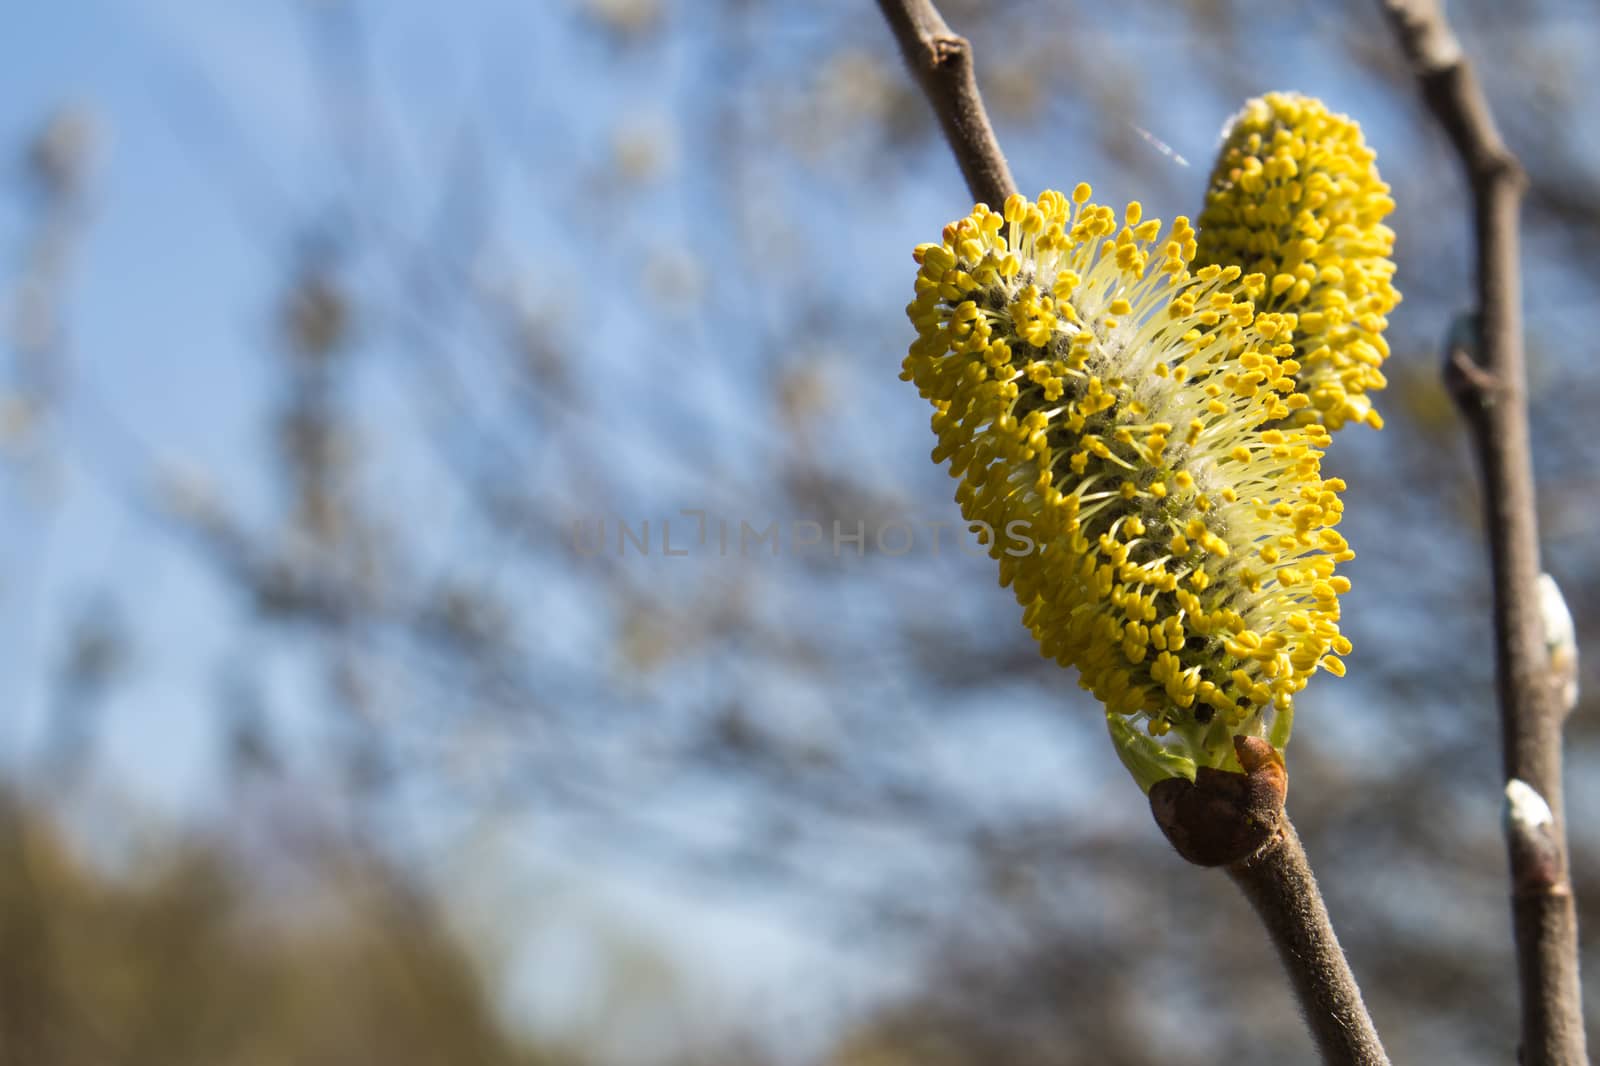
1492, 394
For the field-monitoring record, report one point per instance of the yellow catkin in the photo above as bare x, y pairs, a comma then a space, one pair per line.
1295, 196
1134, 415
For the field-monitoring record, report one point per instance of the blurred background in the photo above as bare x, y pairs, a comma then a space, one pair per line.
341, 721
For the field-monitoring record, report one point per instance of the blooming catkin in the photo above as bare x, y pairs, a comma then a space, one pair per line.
1122, 426
1295, 196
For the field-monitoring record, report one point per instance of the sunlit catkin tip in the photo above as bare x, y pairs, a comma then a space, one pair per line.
1133, 419
1295, 195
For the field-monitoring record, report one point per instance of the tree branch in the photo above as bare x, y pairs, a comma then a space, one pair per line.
1279, 884
1237, 821
942, 63
1491, 392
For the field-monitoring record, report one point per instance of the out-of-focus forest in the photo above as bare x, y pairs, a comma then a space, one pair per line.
341, 721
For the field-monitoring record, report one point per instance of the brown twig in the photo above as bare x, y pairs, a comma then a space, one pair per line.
1491, 392
1237, 821
1279, 884
942, 63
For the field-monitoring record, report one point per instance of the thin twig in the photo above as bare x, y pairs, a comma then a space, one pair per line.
1237, 821
1279, 884
942, 63
1492, 394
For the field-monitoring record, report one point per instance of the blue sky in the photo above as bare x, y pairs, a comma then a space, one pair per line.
207, 135
145, 324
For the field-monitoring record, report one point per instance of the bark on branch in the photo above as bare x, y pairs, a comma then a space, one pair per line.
941, 60
1237, 821
1279, 884
1484, 369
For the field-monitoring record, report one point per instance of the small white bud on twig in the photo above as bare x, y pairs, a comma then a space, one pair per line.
1560, 640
